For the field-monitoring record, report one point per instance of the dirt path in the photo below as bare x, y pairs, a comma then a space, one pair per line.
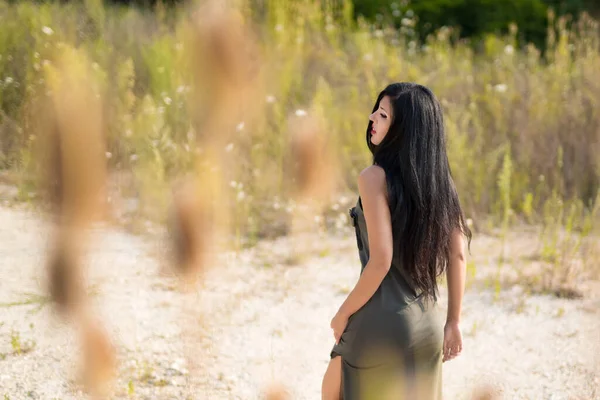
260, 319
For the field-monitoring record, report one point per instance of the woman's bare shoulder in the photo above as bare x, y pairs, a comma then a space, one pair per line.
371, 179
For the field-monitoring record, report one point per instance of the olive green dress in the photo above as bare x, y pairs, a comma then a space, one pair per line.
392, 346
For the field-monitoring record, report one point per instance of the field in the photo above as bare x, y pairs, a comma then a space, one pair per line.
273, 140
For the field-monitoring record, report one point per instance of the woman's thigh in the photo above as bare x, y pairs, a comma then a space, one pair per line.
332, 381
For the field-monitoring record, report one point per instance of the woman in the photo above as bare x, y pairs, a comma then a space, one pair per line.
390, 341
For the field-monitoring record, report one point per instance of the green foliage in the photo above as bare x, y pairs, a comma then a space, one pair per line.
527, 207
573, 7
473, 18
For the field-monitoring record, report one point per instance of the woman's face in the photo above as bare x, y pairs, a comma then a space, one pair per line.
382, 119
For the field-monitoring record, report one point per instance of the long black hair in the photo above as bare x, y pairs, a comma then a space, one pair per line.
423, 200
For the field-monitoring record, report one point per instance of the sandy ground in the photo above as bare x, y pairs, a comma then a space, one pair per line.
261, 319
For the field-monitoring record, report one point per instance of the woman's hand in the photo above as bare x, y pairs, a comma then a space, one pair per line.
338, 324
452, 341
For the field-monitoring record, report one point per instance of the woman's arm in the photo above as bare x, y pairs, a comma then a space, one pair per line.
373, 193
456, 276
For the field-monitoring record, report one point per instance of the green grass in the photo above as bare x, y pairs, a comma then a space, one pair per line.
37, 300
19, 346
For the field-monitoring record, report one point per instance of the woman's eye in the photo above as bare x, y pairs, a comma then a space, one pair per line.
383, 116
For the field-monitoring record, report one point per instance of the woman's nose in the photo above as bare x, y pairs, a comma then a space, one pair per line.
372, 117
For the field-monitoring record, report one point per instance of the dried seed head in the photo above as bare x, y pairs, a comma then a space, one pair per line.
484, 393
191, 228
226, 70
276, 392
99, 359
313, 164
228, 45
65, 283
76, 168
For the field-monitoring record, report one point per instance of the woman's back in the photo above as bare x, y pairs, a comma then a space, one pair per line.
396, 330
397, 286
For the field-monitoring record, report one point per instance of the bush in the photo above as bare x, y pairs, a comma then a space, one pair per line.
475, 18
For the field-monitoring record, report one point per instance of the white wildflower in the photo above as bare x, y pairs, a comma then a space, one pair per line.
509, 50
167, 100
406, 22
229, 147
133, 158
108, 154
47, 30
271, 99
300, 113
240, 126
9, 80
501, 88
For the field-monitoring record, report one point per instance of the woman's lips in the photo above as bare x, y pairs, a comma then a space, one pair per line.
373, 131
